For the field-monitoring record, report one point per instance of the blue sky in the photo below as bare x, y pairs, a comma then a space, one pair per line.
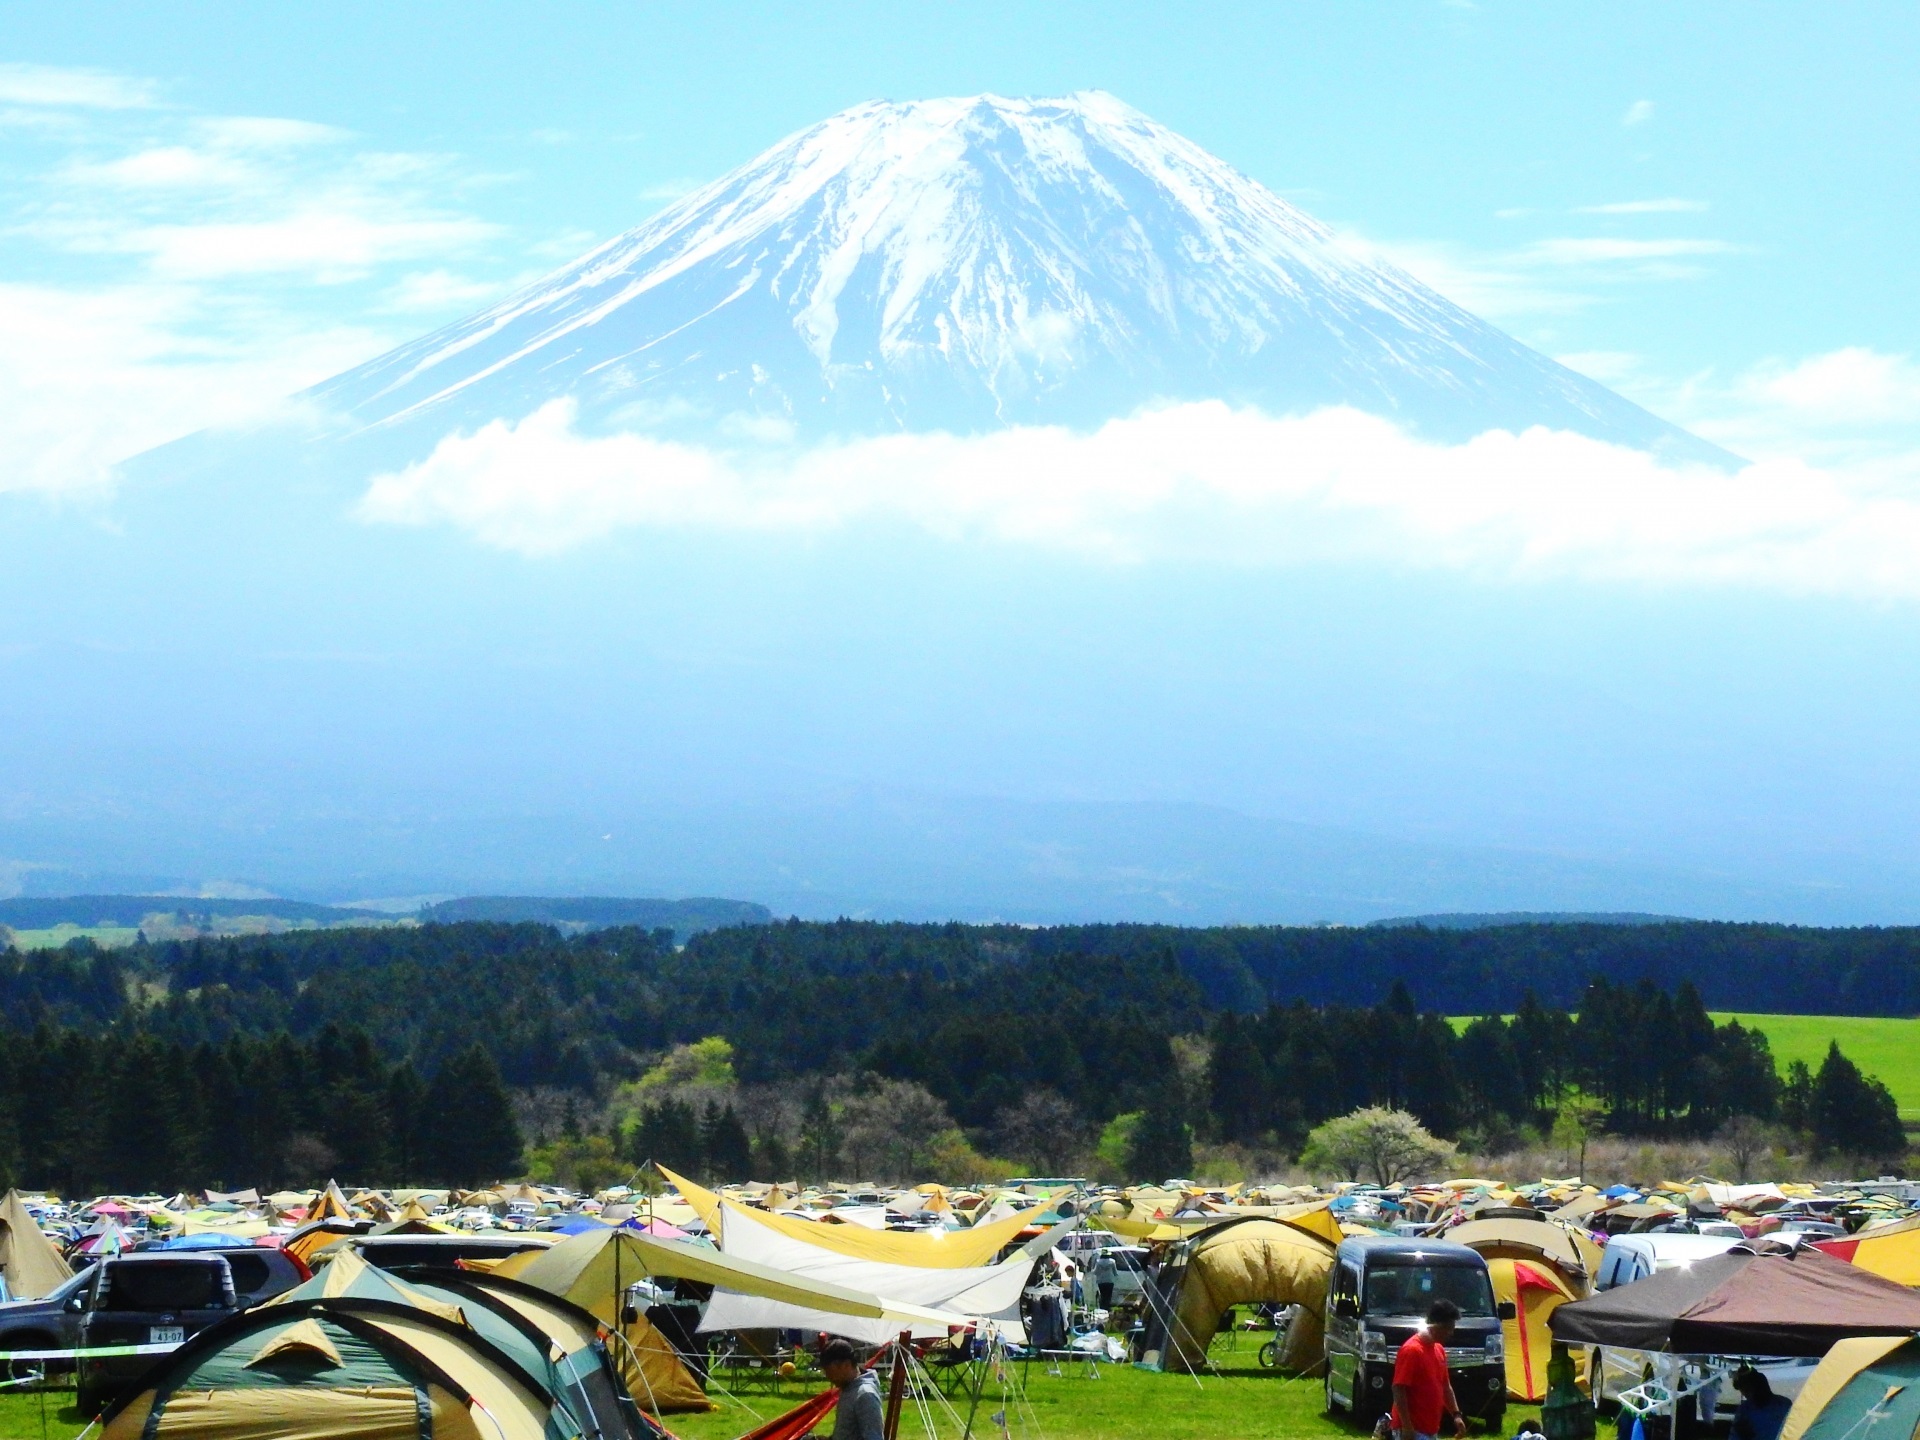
205, 208
1709, 207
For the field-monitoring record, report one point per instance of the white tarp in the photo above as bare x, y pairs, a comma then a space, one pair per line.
987, 1292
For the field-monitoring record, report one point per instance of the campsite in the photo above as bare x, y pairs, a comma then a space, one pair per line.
670, 1308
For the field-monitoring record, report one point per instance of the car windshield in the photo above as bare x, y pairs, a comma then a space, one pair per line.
1410, 1289
163, 1285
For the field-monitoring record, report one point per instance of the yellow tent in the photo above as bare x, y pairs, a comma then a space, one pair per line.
1536, 1267
1245, 1262
1890, 1249
28, 1260
937, 1249
332, 1205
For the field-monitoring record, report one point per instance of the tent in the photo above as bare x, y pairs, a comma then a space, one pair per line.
357, 1354
1537, 1267
1240, 1262
1866, 1386
1891, 1250
955, 1249
28, 1260
1748, 1301
332, 1205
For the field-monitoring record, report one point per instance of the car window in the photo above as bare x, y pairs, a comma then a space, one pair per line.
163, 1285
78, 1283
1410, 1289
249, 1272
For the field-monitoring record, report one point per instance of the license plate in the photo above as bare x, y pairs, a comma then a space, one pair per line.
167, 1335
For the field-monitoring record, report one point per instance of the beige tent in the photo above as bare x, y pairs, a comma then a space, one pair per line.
1242, 1262
28, 1260
359, 1356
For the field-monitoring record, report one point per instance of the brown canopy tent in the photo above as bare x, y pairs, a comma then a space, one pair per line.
1771, 1301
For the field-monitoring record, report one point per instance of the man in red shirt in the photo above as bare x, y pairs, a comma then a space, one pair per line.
1422, 1389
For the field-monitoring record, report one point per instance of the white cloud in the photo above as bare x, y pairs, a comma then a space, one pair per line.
1198, 481
56, 87
1646, 207
1854, 408
326, 245
91, 376
1553, 276
1852, 386
1638, 113
1601, 249
437, 290
189, 270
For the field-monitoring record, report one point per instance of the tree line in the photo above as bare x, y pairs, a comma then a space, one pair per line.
134, 1112
252, 1059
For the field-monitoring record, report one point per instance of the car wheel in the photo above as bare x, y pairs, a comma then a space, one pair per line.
1496, 1419
87, 1400
1332, 1404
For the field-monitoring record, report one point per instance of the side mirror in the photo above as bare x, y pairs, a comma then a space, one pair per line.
1506, 1310
1345, 1308
76, 1303
629, 1315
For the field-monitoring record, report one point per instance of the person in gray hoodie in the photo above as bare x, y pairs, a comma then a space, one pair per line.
860, 1414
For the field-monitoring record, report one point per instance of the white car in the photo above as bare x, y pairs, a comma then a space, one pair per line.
1634, 1257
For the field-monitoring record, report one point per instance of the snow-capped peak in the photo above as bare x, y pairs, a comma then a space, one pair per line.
964, 263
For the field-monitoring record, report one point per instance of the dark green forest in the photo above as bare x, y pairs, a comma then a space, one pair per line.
391, 1050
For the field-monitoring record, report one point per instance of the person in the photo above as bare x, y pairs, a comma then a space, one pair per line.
1104, 1271
1422, 1392
1761, 1413
860, 1414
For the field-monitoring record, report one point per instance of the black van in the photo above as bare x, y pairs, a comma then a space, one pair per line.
1378, 1296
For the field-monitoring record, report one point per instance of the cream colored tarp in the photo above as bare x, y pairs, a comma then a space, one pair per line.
605, 1262
940, 1249
28, 1259
954, 1296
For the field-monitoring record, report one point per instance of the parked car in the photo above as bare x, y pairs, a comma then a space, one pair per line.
1378, 1296
1634, 1257
1812, 1229
49, 1322
155, 1298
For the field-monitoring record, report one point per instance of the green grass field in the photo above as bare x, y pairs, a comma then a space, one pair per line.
1242, 1403
1887, 1049
105, 936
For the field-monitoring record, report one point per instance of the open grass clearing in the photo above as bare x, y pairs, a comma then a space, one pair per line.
1886, 1048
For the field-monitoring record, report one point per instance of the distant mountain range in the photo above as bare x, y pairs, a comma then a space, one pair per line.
1457, 920
571, 914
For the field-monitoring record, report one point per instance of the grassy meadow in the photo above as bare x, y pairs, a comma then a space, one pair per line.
1242, 1402
1888, 1049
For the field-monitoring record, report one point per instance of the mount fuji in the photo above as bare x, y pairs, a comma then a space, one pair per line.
965, 264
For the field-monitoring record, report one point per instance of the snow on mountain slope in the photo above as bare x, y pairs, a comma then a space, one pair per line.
965, 264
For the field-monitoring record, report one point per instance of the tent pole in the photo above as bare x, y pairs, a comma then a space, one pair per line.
897, 1388
980, 1384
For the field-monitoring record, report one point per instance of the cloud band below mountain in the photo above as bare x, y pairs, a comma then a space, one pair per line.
1198, 481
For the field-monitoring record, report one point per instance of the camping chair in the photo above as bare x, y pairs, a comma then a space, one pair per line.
750, 1360
950, 1362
